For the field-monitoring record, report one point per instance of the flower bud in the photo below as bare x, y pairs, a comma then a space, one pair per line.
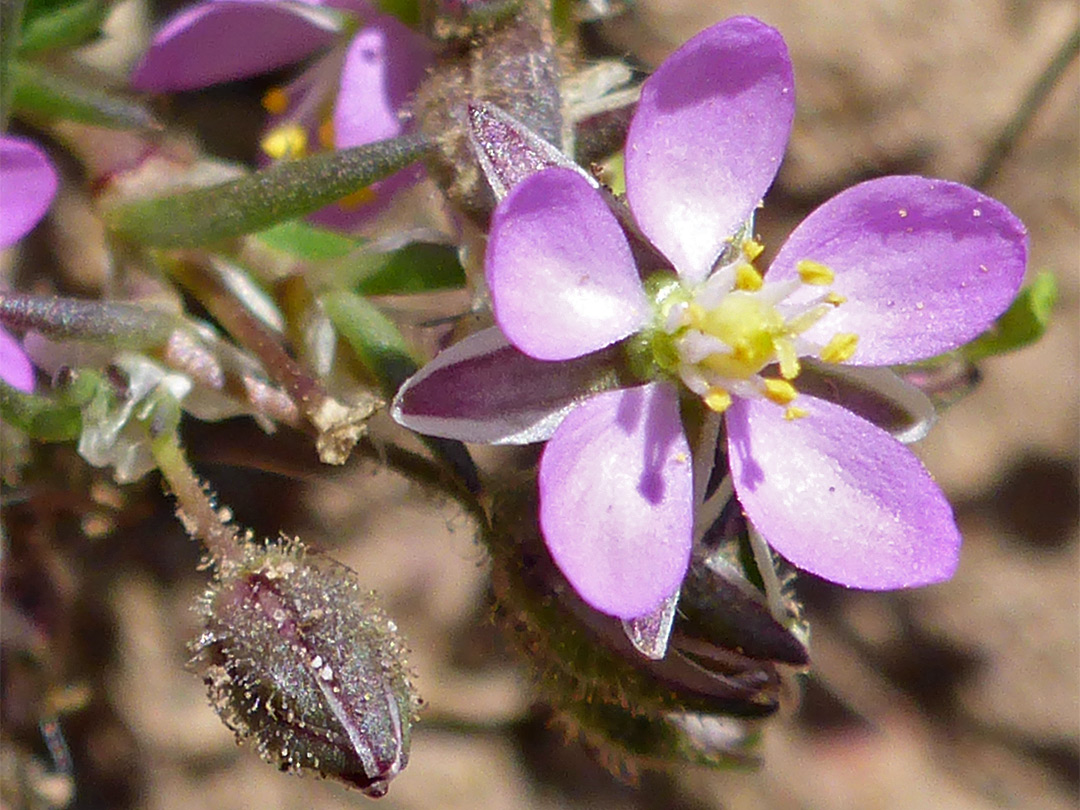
294, 657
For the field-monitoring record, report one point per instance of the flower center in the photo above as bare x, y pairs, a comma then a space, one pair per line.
738, 335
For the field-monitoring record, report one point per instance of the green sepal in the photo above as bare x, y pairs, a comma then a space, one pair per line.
39, 93
1023, 323
54, 24
252, 203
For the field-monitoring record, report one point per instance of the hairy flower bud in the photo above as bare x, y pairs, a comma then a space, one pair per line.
294, 656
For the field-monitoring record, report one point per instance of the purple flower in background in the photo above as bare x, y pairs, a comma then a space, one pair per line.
27, 186
353, 95
890, 271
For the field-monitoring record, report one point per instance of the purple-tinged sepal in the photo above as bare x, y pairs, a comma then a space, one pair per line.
650, 632
876, 393
484, 390
508, 151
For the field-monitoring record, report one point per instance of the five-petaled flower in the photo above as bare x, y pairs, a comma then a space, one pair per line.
352, 96
888, 272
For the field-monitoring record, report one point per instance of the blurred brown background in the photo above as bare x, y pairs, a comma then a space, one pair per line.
962, 696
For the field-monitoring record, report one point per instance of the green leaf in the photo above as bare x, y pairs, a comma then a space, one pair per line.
381, 348
372, 336
408, 11
415, 268
1024, 322
42, 94
51, 25
42, 418
308, 242
287, 190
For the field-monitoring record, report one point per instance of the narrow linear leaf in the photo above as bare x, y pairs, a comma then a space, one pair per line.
255, 202
372, 336
308, 242
42, 94
1023, 323
415, 268
61, 25
117, 324
382, 349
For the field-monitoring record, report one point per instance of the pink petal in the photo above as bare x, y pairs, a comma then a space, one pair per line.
222, 40
15, 367
28, 184
484, 390
707, 140
926, 265
384, 65
616, 499
839, 497
563, 281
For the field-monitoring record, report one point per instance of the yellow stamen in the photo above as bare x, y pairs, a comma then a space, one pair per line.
747, 278
780, 391
326, 134
840, 348
357, 198
835, 298
718, 400
789, 360
289, 141
795, 412
752, 248
275, 101
815, 273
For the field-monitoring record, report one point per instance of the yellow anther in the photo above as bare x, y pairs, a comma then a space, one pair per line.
747, 278
695, 312
357, 198
275, 101
835, 298
752, 248
840, 348
326, 134
718, 400
789, 360
780, 391
815, 273
289, 141
795, 412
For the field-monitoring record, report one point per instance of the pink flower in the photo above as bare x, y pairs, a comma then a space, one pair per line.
890, 271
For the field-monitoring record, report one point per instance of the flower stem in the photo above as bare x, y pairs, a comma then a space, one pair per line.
337, 426
194, 506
